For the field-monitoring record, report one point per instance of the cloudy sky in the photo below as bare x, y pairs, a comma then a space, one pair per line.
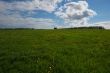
44, 14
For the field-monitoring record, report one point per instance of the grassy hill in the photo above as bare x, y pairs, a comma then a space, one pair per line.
55, 51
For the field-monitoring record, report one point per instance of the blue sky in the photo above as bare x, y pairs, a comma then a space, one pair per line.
102, 7
41, 14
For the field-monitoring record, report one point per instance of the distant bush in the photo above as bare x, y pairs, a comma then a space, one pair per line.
91, 27
55, 27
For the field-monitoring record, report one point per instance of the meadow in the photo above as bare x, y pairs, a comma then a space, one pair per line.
55, 51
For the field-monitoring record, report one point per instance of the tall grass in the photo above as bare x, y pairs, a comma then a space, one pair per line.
55, 51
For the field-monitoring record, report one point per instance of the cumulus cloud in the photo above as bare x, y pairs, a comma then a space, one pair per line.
75, 12
46, 5
17, 21
10, 14
72, 13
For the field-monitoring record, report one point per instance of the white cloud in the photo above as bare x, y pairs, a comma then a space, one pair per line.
75, 12
17, 21
105, 24
46, 5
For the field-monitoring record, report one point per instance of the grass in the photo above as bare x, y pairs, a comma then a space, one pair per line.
55, 51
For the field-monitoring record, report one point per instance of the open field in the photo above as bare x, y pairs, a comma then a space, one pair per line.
55, 51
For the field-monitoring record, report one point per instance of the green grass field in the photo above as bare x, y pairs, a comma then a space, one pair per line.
55, 51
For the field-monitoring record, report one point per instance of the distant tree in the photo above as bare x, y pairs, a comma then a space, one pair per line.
55, 27
90, 27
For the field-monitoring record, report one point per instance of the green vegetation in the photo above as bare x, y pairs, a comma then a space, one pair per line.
55, 51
